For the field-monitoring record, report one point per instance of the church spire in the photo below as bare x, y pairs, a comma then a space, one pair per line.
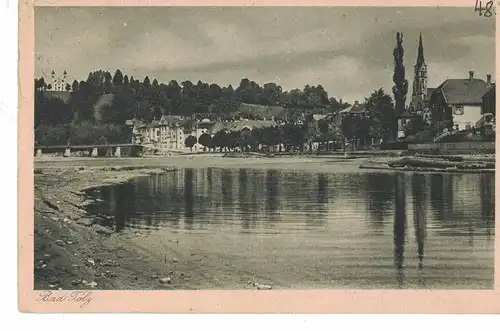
420, 56
419, 94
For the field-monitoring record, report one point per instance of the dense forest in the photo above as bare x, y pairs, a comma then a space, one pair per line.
98, 107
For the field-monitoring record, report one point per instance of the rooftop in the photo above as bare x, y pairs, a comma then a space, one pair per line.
241, 124
491, 92
356, 108
464, 91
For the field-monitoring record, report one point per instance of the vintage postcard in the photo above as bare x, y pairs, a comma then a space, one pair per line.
231, 156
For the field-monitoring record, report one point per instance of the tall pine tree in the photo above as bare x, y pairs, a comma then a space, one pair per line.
400, 88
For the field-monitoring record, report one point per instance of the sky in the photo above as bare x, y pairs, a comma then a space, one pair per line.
348, 50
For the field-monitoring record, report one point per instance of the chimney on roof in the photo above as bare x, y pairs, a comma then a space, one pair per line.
488, 78
471, 75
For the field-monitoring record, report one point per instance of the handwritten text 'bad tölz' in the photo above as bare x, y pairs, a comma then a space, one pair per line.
83, 298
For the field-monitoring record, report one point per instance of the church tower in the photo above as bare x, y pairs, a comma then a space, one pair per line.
53, 80
419, 94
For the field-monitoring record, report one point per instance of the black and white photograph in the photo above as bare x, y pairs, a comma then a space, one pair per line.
264, 148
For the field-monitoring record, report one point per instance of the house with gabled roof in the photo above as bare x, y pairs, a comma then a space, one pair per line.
461, 99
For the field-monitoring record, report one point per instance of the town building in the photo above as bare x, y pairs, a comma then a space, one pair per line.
170, 132
488, 109
355, 109
403, 121
461, 100
173, 131
489, 102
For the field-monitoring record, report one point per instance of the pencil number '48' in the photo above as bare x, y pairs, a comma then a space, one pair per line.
486, 10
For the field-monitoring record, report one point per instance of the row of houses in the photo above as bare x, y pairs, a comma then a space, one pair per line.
169, 133
471, 102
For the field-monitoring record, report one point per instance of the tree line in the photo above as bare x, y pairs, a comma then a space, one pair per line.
278, 138
103, 102
295, 136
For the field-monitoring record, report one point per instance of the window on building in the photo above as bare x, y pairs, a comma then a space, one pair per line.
458, 110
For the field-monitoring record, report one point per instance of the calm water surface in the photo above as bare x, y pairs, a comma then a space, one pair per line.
330, 230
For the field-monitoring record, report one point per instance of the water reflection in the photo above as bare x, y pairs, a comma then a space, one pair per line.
487, 194
189, 196
272, 186
458, 203
400, 225
419, 189
322, 188
380, 196
124, 205
360, 215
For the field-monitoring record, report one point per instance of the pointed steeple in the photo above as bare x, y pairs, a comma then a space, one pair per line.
420, 56
420, 79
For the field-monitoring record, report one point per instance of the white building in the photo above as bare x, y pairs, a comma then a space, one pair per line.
58, 84
463, 98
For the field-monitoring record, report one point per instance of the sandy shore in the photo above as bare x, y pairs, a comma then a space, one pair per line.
182, 161
71, 251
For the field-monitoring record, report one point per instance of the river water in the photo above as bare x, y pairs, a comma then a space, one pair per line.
307, 229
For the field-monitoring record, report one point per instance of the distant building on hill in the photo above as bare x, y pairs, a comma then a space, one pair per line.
58, 83
56, 86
